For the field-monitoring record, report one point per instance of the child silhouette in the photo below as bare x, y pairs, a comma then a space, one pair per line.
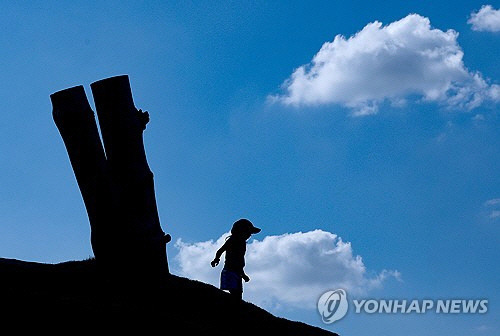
235, 248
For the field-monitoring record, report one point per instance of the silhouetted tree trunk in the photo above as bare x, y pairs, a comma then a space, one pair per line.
131, 179
75, 120
117, 188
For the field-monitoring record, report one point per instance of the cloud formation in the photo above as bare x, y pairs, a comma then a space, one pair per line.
495, 201
493, 208
404, 60
486, 19
292, 269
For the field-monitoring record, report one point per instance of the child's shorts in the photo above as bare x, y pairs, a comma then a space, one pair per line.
230, 280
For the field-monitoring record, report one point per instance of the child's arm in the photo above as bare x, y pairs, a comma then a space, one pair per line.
219, 252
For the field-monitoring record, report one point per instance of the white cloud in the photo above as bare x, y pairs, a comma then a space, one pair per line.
493, 208
292, 269
486, 19
478, 117
495, 214
494, 201
483, 328
400, 61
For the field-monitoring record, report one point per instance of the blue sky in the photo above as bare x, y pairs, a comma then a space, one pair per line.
402, 169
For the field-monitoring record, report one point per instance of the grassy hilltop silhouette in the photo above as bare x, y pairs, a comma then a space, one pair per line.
74, 294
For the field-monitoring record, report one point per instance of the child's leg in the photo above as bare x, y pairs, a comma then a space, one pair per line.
236, 293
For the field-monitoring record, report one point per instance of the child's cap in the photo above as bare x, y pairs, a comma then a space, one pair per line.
244, 225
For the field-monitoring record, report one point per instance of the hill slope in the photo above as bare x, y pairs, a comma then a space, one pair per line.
73, 294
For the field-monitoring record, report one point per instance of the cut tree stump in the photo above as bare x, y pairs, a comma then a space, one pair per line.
115, 181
